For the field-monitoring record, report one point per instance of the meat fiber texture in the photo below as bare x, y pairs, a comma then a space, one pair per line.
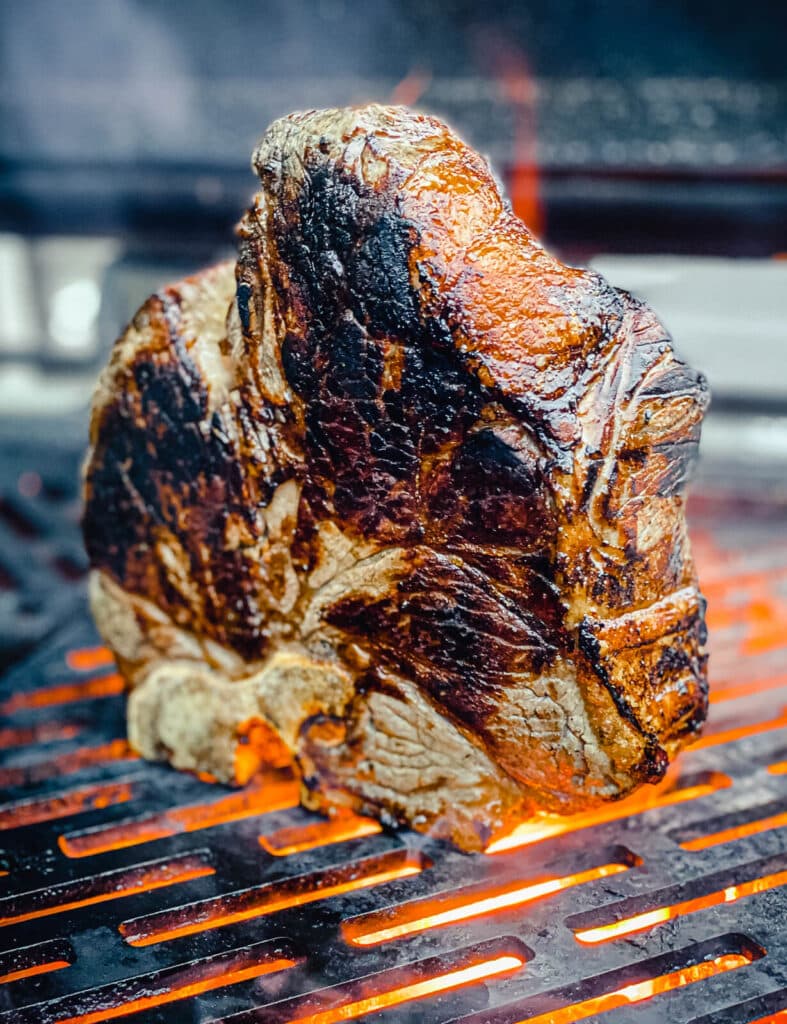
398, 498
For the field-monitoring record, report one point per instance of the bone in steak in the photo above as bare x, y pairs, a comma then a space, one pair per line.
399, 496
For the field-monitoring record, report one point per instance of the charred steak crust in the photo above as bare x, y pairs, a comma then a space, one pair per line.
402, 454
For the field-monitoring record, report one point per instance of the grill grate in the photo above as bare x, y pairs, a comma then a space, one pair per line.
129, 891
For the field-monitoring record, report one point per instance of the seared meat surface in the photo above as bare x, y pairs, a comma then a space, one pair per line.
399, 496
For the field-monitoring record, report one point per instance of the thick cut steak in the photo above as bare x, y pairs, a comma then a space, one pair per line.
399, 497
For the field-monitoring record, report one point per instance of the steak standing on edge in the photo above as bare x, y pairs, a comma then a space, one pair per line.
400, 496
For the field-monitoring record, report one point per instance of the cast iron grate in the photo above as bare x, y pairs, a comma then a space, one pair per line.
41, 553
132, 892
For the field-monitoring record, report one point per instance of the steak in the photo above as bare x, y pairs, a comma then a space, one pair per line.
398, 498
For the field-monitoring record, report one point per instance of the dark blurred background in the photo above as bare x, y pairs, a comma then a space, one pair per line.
649, 138
657, 127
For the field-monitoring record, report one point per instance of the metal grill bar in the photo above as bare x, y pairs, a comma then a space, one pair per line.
131, 892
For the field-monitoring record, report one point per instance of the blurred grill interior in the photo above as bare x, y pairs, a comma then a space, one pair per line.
651, 143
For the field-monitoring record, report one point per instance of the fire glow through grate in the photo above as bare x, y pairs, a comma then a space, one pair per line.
132, 892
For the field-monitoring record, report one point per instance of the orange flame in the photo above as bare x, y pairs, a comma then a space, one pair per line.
412, 87
115, 750
267, 899
269, 794
113, 887
668, 791
33, 812
384, 926
85, 659
641, 990
517, 85
716, 739
641, 922
184, 991
719, 694
259, 747
497, 967
339, 829
31, 972
68, 693
728, 835
44, 732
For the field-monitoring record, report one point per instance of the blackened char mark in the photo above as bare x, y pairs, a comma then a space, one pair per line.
346, 249
654, 759
492, 493
243, 295
348, 254
166, 467
448, 628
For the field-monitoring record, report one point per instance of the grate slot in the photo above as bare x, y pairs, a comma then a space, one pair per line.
87, 659
474, 901
734, 691
268, 899
41, 732
111, 885
269, 793
64, 805
629, 985
298, 838
68, 693
729, 827
170, 985
714, 738
31, 961
770, 1009
652, 918
644, 921
66, 764
20, 523
461, 969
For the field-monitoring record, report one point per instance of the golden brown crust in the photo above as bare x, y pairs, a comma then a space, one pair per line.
419, 449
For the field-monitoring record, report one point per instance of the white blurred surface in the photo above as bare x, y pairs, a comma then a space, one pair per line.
727, 317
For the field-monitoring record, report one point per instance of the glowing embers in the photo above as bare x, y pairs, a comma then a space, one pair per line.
723, 691
638, 991
627, 985
721, 888
30, 961
273, 792
259, 748
170, 985
269, 898
43, 732
112, 885
64, 764
460, 970
474, 901
715, 734
338, 829
498, 967
63, 805
668, 791
729, 827
87, 659
31, 972
68, 693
